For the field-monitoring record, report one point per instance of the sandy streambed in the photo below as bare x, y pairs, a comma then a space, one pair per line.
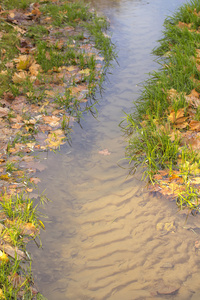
108, 238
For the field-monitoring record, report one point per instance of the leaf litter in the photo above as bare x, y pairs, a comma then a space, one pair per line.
53, 69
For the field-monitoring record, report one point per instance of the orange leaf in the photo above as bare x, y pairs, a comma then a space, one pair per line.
195, 125
35, 180
28, 229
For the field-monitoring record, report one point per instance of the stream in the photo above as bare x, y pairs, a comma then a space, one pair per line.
106, 236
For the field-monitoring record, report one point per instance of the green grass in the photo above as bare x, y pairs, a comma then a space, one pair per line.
151, 144
19, 210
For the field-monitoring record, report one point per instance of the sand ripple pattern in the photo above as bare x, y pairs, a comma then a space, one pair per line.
118, 252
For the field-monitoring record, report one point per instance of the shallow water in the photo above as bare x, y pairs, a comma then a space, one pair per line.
106, 237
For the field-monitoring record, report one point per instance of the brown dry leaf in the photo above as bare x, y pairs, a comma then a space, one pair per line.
60, 44
51, 120
12, 251
157, 177
8, 96
17, 126
9, 65
167, 289
36, 12
195, 13
35, 180
193, 98
43, 127
78, 89
23, 50
34, 69
104, 152
183, 25
4, 72
182, 124
163, 172
198, 67
194, 143
172, 117
47, 19
172, 94
19, 77
194, 125
19, 29
16, 280
178, 118
48, 55
198, 53
29, 229
51, 93
3, 111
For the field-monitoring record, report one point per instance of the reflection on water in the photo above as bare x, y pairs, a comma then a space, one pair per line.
108, 238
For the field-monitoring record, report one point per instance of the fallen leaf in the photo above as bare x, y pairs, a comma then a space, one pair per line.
194, 125
3, 257
167, 290
34, 69
3, 111
16, 280
19, 77
85, 71
177, 117
172, 94
28, 229
196, 180
12, 251
71, 68
104, 152
51, 120
184, 25
2, 296
35, 180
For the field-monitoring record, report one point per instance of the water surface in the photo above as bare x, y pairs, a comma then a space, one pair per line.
106, 237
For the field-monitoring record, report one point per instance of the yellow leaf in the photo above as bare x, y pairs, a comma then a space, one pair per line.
3, 256
23, 62
41, 224
177, 117
2, 294
196, 180
71, 68
85, 71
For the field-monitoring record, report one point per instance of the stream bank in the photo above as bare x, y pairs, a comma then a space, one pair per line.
165, 125
54, 55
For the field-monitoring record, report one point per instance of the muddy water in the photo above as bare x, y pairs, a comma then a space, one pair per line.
107, 237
